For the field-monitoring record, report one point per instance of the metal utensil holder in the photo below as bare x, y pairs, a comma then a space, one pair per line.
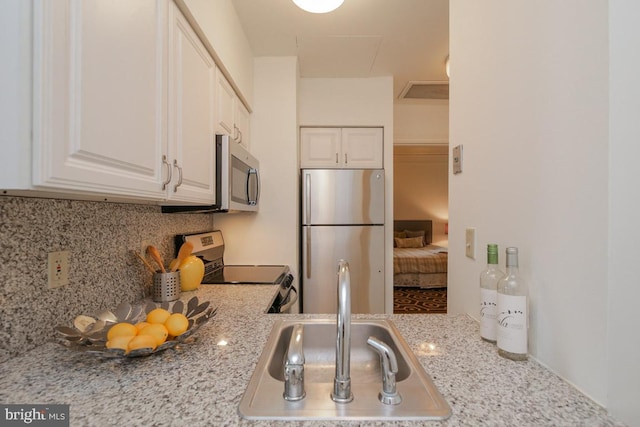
166, 286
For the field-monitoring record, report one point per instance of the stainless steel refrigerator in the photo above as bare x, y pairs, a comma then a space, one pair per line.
342, 218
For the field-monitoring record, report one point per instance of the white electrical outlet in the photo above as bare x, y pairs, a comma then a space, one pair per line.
470, 243
58, 269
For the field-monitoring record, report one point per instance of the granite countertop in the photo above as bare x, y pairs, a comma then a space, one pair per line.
201, 384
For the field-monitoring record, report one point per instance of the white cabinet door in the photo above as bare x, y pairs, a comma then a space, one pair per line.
320, 148
192, 80
225, 105
336, 148
242, 120
362, 148
100, 96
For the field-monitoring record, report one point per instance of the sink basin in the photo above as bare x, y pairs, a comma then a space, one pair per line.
263, 398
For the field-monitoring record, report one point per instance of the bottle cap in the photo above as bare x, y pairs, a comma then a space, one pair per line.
492, 253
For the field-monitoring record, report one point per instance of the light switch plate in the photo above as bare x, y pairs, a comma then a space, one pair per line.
457, 159
470, 243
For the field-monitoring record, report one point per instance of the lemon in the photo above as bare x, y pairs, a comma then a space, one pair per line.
158, 315
177, 324
142, 341
157, 331
122, 329
141, 325
121, 342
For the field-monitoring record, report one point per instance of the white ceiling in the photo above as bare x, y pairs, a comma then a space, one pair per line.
408, 39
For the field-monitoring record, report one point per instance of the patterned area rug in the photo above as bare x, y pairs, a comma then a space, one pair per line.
416, 300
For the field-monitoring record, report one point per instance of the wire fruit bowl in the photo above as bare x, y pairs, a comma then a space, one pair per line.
89, 333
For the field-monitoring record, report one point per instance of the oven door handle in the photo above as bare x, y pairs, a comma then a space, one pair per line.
292, 300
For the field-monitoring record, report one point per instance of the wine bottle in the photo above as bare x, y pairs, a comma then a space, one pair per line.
488, 295
513, 316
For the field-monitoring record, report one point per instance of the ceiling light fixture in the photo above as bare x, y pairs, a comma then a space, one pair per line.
318, 6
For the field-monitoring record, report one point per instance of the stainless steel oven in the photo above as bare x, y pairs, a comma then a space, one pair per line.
209, 247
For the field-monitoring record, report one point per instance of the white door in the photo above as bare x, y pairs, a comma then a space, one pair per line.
362, 148
242, 124
192, 79
225, 98
100, 96
320, 148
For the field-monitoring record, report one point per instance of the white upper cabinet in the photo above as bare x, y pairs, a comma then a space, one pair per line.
335, 148
123, 100
100, 96
191, 124
232, 116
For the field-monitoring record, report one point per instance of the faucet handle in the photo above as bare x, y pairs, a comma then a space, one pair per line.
389, 394
294, 366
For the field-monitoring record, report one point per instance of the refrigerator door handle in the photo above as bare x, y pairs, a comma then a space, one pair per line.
307, 202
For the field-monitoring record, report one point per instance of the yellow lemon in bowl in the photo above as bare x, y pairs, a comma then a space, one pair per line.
141, 325
177, 324
158, 331
121, 342
122, 329
158, 315
142, 341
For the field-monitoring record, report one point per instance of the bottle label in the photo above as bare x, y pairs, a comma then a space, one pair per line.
512, 323
488, 312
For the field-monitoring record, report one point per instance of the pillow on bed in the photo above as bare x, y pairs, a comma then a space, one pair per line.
420, 233
410, 242
398, 235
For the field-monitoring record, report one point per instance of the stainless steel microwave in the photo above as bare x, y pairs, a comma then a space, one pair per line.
237, 180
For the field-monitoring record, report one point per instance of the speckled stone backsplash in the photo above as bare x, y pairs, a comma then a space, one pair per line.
103, 270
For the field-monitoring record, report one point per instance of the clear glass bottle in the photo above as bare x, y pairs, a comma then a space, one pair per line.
489, 295
513, 315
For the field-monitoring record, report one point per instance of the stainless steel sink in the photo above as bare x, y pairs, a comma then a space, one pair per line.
263, 398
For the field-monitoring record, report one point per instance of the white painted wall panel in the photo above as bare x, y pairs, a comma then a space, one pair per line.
623, 339
529, 98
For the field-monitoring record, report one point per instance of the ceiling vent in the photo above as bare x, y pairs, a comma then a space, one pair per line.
425, 90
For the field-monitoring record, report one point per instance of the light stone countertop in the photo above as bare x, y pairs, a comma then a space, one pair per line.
201, 384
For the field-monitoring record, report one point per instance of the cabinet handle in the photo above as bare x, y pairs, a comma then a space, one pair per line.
336, 158
237, 135
175, 165
165, 162
345, 158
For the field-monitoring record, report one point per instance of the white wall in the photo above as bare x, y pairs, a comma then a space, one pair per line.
529, 102
356, 102
421, 122
623, 338
271, 235
221, 26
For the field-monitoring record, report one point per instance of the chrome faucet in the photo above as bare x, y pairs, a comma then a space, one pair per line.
294, 367
389, 367
342, 381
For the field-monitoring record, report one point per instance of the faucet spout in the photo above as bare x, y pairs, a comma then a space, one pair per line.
342, 382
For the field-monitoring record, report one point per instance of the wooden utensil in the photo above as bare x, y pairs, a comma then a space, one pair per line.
183, 253
153, 252
144, 261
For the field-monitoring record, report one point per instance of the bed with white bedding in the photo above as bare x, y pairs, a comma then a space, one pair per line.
416, 262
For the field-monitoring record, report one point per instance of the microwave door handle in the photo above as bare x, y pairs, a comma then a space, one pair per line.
253, 172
